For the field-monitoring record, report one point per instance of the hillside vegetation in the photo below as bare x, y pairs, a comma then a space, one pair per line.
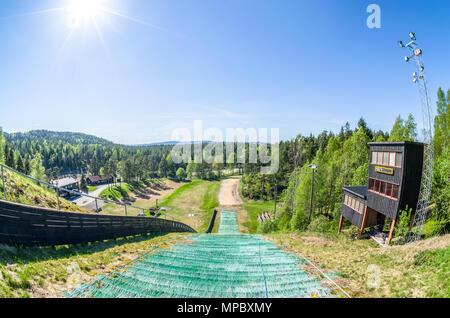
25, 191
419, 269
49, 272
193, 203
343, 160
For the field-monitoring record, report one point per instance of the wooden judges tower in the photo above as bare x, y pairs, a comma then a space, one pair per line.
395, 173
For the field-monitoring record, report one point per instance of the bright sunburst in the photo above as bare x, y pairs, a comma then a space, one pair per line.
81, 12
90, 14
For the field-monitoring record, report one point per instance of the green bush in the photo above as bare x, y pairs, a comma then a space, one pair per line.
267, 226
322, 224
282, 218
403, 225
433, 227
299, 221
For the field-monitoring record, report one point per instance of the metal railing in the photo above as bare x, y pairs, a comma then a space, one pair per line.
59, 189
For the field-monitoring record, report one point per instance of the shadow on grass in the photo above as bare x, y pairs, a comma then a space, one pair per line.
10, 254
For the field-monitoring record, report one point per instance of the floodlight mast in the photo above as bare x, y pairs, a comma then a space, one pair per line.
428, 159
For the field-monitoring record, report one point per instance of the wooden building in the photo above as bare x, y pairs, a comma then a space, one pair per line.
68, 183
98, 180
395, 174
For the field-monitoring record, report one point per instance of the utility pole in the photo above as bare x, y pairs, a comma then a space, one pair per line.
295, 175
313, 167
275, 197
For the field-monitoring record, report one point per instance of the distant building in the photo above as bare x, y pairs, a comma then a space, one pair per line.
96, 180
395, 174
68, 183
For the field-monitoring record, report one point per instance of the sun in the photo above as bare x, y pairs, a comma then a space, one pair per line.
81, 12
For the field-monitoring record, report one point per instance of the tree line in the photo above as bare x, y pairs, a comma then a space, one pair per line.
343, 160
47, 155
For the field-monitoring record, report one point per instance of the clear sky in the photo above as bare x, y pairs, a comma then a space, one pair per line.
300, 66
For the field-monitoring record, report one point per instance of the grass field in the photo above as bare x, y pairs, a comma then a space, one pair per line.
193, 203
142, 195
254, 208
47, 272
415, 270
91, 188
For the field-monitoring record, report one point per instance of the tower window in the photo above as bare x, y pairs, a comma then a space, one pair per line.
384, 188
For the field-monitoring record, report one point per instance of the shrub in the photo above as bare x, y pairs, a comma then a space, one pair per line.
282, 218
433, 227
321, 224
267, 226
353, 232
402, 228
299, 221
181, 174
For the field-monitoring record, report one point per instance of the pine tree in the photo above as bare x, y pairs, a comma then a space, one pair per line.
163, 167
404, 130
83, 184
2, 146
9, 156
27, 167
442, 123
20, 165
37, 170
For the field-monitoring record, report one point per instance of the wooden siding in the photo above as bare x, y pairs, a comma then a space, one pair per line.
412, 177
408, 177
354, 217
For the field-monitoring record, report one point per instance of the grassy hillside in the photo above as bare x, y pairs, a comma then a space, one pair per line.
48, 272
254, 208
367, 270
141, 194
123, 190
25, 191
193, 203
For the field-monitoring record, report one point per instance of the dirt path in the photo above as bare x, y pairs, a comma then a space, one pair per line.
229, 193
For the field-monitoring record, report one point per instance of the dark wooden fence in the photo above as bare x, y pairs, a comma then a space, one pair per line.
211, 223
28, 225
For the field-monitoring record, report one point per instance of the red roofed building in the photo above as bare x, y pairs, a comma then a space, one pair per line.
96, 180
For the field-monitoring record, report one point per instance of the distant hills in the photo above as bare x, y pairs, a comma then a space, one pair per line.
72, 138
76, 138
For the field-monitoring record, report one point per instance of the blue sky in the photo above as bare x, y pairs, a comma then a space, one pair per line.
300, 66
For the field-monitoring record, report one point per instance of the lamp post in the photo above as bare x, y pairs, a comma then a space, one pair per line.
313, 168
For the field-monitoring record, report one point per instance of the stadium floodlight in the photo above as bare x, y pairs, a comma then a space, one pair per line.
415, 74
406, 59
401, 43
423, 203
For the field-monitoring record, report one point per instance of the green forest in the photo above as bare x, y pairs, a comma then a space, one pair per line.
343, 160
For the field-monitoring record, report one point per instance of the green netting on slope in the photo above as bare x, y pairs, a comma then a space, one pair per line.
225, 266
228, 222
